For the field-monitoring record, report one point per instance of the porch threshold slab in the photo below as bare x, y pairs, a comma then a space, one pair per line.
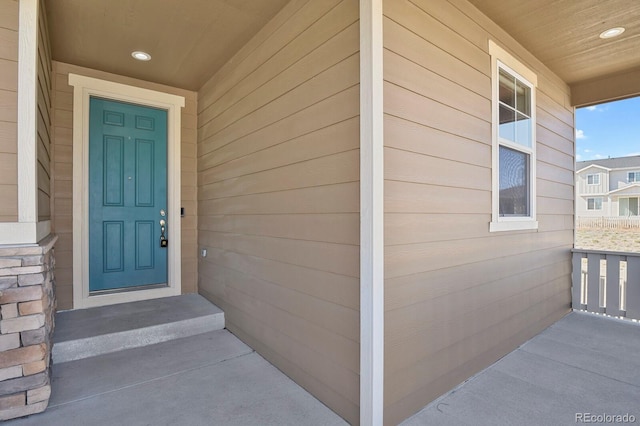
90, 332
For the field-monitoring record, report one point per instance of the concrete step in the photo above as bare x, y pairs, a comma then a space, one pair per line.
86, 333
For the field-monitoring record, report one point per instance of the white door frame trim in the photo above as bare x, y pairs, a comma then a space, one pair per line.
84, 88
371, 215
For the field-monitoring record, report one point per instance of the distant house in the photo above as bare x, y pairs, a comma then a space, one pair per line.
608, 187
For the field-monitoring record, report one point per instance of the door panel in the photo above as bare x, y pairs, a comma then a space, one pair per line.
127, 191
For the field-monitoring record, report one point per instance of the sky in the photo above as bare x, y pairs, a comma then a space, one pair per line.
608, 130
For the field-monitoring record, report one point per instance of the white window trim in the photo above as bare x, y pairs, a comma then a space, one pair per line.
501, 58
594, 176
634, 172
83, 88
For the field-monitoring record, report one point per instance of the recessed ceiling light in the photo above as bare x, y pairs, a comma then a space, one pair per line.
141, 56
612, 32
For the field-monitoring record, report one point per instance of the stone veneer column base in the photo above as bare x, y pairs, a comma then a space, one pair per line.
27, 308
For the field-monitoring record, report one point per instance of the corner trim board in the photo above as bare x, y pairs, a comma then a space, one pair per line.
371, 214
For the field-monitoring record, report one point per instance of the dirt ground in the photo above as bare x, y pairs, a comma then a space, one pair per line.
627, 240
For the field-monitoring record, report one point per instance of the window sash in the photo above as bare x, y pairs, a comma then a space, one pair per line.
517, 79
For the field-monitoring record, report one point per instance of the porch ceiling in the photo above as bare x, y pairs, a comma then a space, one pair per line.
189, 40
564, 34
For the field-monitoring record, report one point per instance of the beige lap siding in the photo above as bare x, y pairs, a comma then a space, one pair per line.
457, 297
278, 196
8, 110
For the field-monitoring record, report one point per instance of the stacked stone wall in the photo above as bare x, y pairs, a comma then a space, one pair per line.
27, 309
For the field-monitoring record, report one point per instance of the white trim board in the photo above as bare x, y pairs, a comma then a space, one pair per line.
371, 215
27, 230
85, 87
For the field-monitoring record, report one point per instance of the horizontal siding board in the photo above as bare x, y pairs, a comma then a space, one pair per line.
289, 24
414, 137
411, 167
432, 312
332, 228
340, 198
324, 85
550, 189
413, 228
334, 258
336, 138
546, 120
337, 289
8, 106
330, 111
9, 205
8, 75
329, 40
552, 156
411, 106
406, 197
555, 141
409, 289
310, 173
554, 173
335, 322
417, 258
415, 20
8, 137
410, 45
413, 77
8, 43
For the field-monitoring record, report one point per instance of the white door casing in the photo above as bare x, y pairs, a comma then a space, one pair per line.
84, 88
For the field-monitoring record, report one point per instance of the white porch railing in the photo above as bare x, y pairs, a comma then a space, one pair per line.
608, 222
606, 282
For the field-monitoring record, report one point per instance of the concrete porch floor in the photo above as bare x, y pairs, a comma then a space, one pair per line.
208, 379
581, 364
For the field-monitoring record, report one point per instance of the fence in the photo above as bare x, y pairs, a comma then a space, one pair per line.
606, 282
610, 222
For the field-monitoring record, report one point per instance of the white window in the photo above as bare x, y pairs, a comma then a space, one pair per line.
593, 179
594, 203
633, 177
514, 143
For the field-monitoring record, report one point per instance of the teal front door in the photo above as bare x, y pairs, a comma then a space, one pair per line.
127, 195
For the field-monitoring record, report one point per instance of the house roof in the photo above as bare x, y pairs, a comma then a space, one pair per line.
611, 163
627, 190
